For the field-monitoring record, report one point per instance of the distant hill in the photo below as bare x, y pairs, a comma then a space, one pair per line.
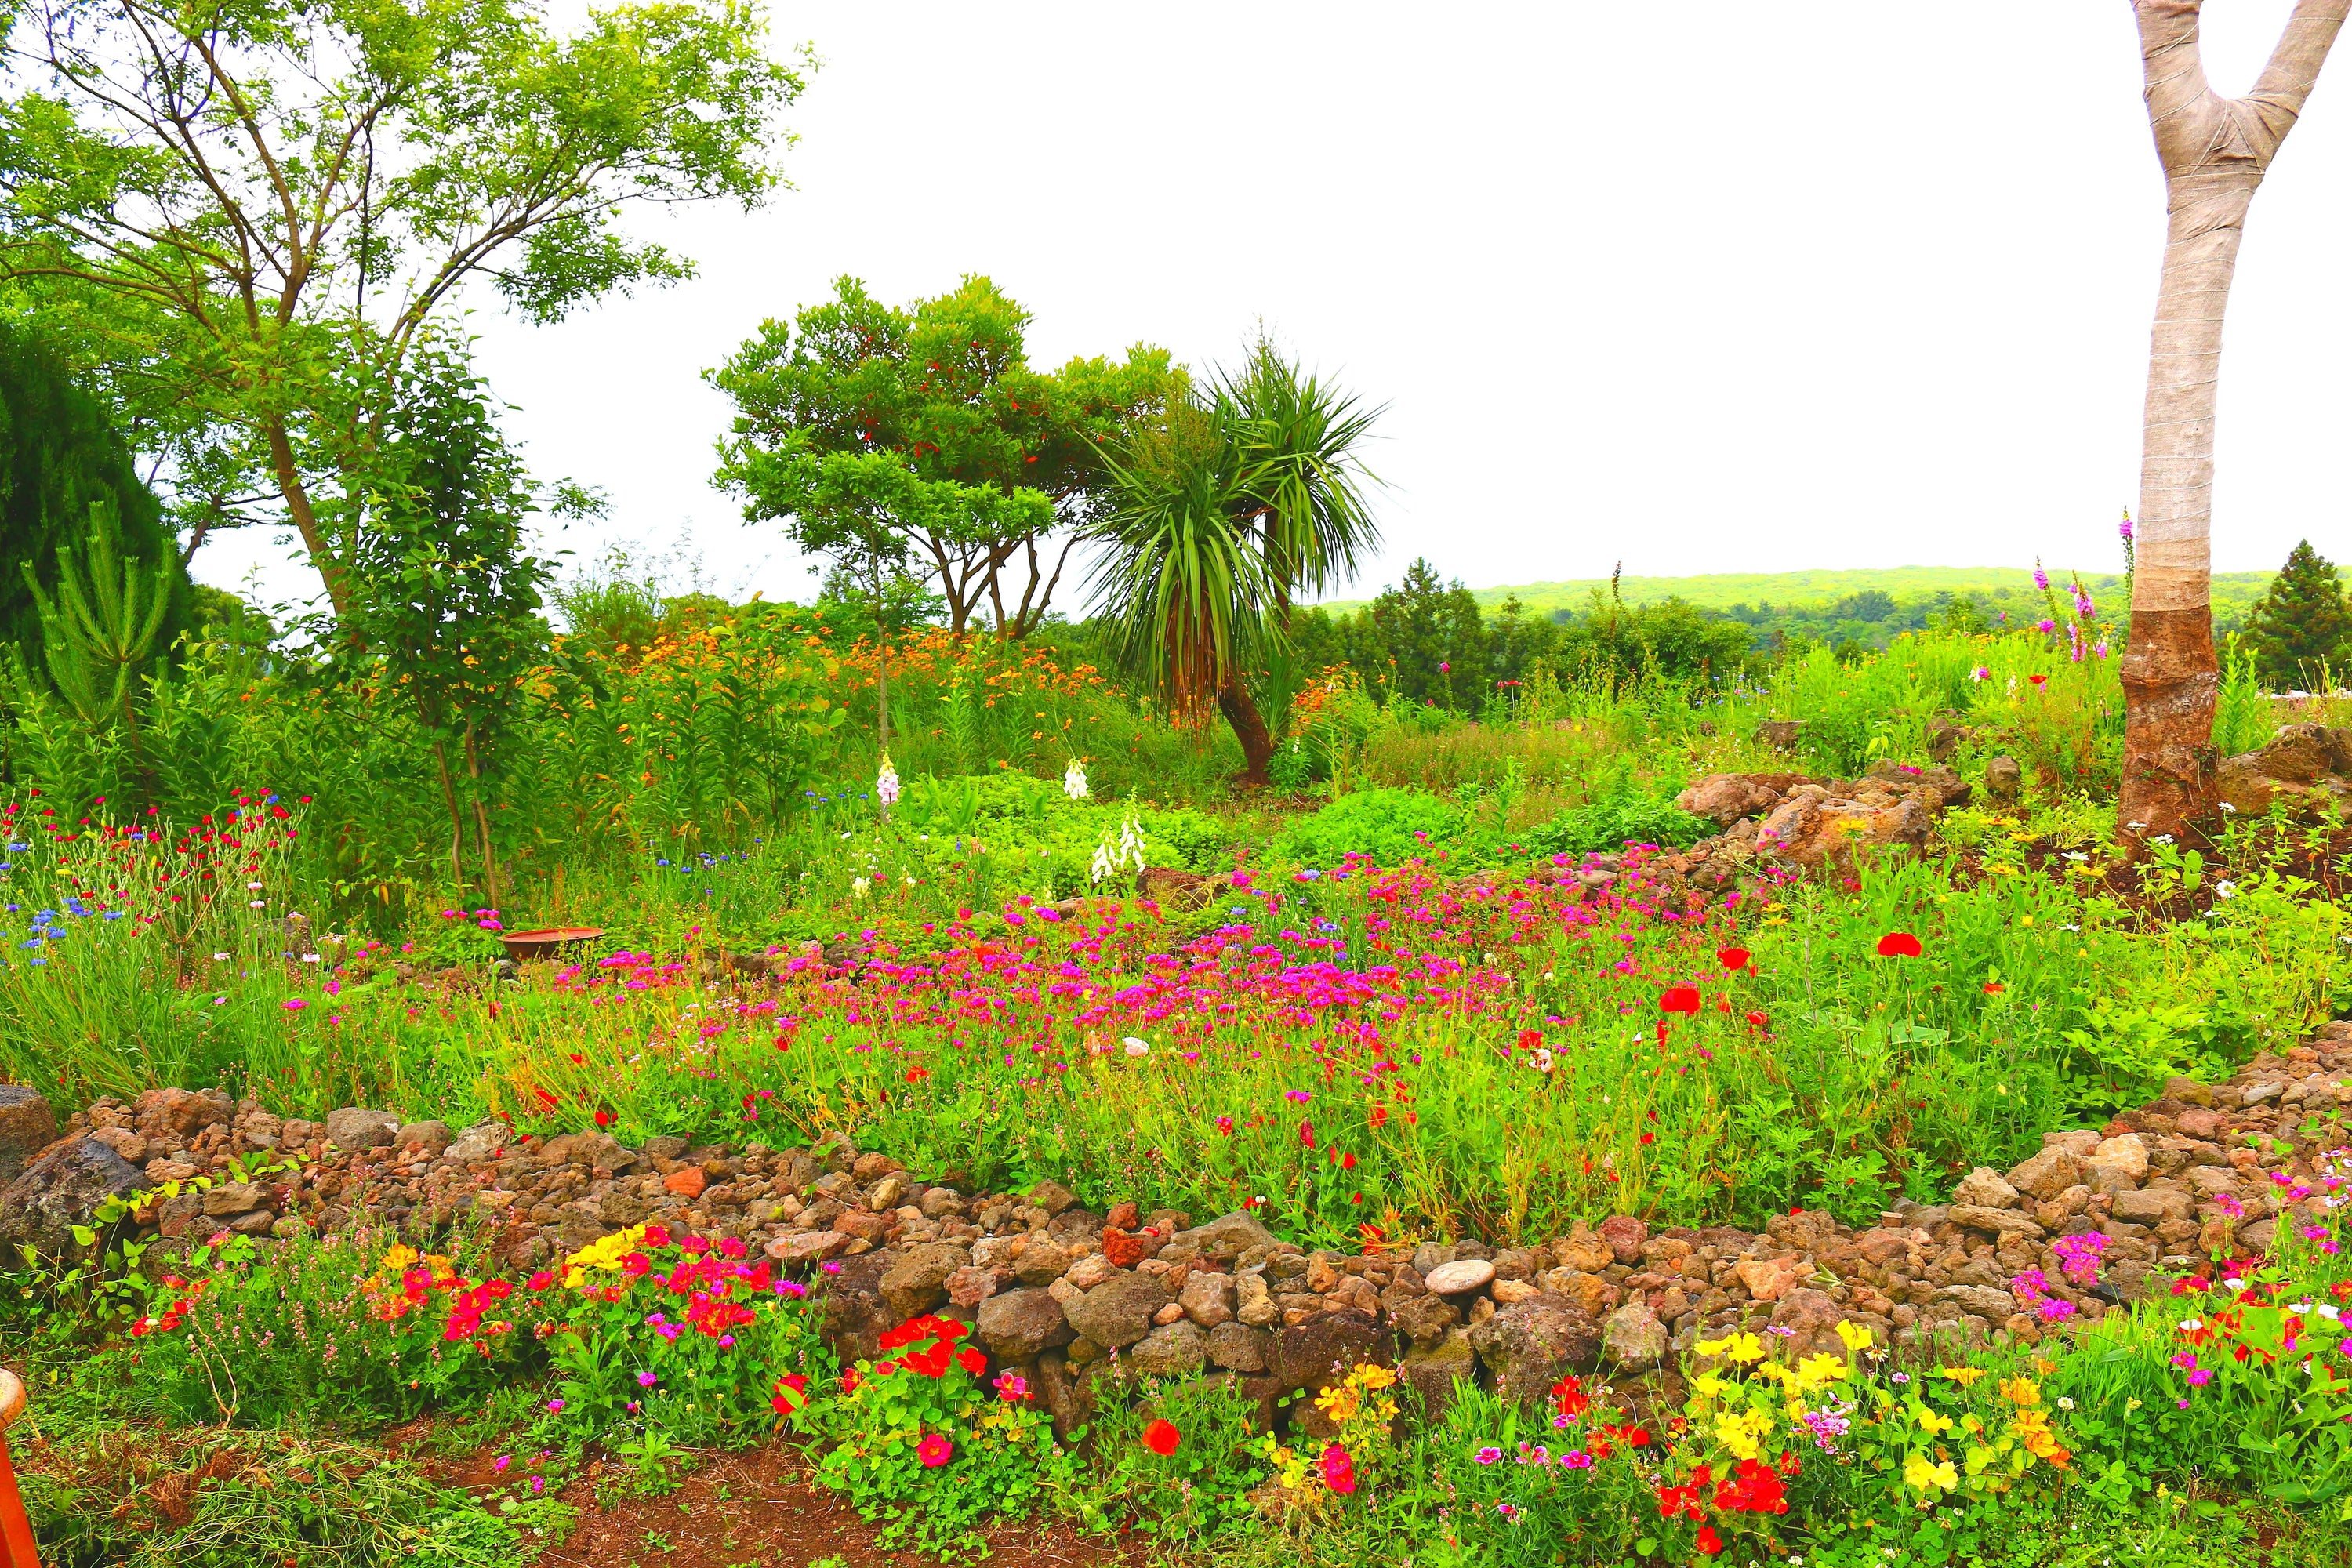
2233, 592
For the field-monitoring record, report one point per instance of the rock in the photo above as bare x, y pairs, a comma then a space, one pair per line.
1315, 1353
1090, 1271
1593, 1292
918, 1281
1979, 1302
2125, 1155
233, 1198
1626, 1236
686, 1182
480, 1141
2004, 781
176, 1115
353, 1129
1460, 1278
2049, 1173
1017, 1326
2188, 1092
1983, 1188
1172, 1350
1780, 734
1532, 1345
1118, 1311
2197, 1122
1052, 1197
968, 1287
1585, 1252
2153, 1206
134, 1150
1725, 798
1766, 1277
431, 1139
1432, 1372
1125, 1250
28, 1126
1227, 1236
1208, 1298
1811, 1317
2005, 1222
1257, 1308
806, 1246
2303, 766
60, 1190
1237, 1347
1506, 1291
1632, 1337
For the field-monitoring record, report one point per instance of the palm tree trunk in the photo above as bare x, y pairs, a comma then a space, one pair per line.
1249, 727
2215, 152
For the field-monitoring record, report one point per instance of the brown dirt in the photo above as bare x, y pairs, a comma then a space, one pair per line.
759, 1509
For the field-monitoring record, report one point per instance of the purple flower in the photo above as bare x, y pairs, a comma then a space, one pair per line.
647, 1380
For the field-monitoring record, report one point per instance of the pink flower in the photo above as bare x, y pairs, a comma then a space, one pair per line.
1339, 1470
934, 1450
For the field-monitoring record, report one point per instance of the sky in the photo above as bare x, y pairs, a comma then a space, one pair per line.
1705, 287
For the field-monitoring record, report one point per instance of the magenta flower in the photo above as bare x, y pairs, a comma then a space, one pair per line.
934, 1450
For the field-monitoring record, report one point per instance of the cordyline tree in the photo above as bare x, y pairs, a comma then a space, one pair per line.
2215, 152
919, 435
1222, 514
235, 214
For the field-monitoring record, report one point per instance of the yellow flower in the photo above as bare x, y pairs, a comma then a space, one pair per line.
1963, 1376
398, 1257
1740, 1432
1709, 1386
1370, 1376
1926, 1474
1931, 1421
1819, 1371
1741, 1348
2020, 1392
2032, 1429
605, 1252
1854, 1338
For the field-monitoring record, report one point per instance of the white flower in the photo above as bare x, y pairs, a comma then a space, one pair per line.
2064, 1402
886, 783
2076, 855
309, 958
220, 958
1543, 1059
253, 904
1073, 779
2227, 806
2225, 890
1136, 1047
862, 887
253, 887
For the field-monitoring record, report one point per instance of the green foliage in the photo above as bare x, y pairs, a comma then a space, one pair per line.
224, 274
920, 434
1387, 826
2301, 622
1610, 823
64, 474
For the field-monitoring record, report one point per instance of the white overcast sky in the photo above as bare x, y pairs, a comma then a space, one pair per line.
1713, 286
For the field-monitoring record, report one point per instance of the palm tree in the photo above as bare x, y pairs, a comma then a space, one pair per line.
1240, 499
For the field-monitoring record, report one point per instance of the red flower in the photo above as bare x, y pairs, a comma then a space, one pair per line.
1757, 1022
603, 1119
934, 1451
1530, 1038
1732, 957
1679, 999
791, 1394
917, 1075
1339, 1470
1709, 1540
1994, 988
1569, 1395
972, 1360
1898, 945
1161, 1438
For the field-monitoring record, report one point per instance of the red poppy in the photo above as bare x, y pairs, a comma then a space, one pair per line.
1679, 999
917, 1075
1994, 988
603, 1119
1732, 957
1757, 1021
1898, 945
1530, 1038
1161, 1438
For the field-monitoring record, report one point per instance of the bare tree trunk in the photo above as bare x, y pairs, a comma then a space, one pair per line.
2215, 152
1249, 727
306, 521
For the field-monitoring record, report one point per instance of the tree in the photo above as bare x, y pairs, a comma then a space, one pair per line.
446, 588
925, 422
1222, 514
246, 213
59, 458
1435, 636
2301, 620
2214, 152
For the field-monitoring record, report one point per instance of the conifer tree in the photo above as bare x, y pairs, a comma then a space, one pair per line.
2300, 621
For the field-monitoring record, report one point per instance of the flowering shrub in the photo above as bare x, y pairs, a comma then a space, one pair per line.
922, 1440
1360, 1411
674, 1334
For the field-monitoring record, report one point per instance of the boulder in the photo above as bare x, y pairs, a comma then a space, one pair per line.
1532, 1345
2049, 1173
176, 1115
917, 1281
1319, 1351
354, 1129
1052, 1196
1226, 1235
28, 1126
1626, 1236
2004, 781
1018, 1326
60, 1190
482, 1140
2125, 1155
1172, 1350
1208, 1298
2153, 1206
1983, 1188
1633, 1338
2303, 766
1459, 1279
1118, 1311
429, 1140
1431, 1371
1725, 798
1767, 1278
1237, 1347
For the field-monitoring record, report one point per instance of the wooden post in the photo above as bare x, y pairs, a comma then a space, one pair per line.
15, 1531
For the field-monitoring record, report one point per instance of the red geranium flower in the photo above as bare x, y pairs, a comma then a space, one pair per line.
1161, 1438
1679, 999
1898, 945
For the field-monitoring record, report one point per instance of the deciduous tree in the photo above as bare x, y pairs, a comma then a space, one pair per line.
2214, 152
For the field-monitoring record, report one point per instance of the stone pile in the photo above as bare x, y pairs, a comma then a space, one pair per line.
1807, 824
1067, 1293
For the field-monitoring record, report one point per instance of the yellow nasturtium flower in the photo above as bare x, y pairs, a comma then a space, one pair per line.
1931, 1421
2020, 1392
1854, 1338
1926, 1474
1963, 1376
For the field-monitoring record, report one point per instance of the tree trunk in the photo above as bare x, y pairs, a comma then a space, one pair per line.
2215, 152
306, 521
1249, 728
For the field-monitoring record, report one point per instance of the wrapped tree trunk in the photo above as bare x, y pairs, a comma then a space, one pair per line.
2215, 152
